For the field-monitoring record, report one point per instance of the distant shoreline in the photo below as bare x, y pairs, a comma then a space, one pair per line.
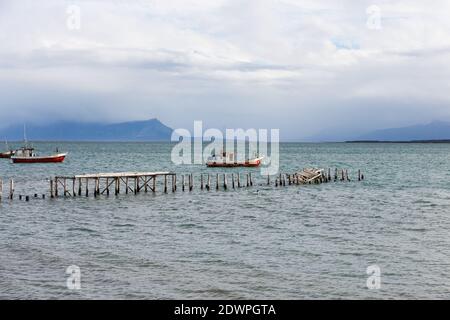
399, 141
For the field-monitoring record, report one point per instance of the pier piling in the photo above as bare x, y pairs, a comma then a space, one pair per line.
51, 189
11, 189
225, 181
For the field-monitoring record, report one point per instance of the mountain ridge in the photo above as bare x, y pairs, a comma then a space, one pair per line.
144, 130
432, 131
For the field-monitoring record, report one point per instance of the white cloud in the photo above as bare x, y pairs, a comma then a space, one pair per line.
279, 60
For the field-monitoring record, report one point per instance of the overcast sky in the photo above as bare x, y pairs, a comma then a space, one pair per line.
304, 66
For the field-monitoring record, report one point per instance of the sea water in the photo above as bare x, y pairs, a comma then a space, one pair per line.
263, 242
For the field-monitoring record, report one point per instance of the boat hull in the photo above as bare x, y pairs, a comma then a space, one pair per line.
6, 155
219, 164
47, 159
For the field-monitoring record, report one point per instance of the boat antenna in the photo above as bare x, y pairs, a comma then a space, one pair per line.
6, 143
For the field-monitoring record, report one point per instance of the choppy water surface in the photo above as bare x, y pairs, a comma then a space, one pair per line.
312, 241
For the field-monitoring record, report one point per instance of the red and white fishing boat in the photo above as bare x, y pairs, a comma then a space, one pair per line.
27, 155
229, 160
8, 153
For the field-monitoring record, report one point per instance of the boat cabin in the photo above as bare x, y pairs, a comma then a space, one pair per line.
25, 152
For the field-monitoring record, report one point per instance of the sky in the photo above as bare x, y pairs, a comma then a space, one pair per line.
306, 67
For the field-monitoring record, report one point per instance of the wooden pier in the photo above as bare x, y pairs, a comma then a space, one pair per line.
105, 183
136, 182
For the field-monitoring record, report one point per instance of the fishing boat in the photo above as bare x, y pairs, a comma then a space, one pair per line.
8, 153
27, 155
225, 159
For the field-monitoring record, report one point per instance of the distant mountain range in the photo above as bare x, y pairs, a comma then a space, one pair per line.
436, 130
154, 130
149, 130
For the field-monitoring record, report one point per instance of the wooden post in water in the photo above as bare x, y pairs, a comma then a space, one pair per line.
232, 180
239, 179
116, 183
251, 180
65, 186
146, 184
225, 181
342, 175
191, 180
154, 184
329, 174
217, 181
173, 183
276, 182
1, 189
208, 183
201, 181
56, 187
268, 179
182, 182
79, 187
359, 174
73, 187
87, 187
97, 186
165, 183
135, 185
107, 187
248, 182
51, 188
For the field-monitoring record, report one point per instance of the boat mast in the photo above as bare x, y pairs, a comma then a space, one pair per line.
25, 140
24, 134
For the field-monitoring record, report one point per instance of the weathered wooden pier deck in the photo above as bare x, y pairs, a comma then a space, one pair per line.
135, 182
